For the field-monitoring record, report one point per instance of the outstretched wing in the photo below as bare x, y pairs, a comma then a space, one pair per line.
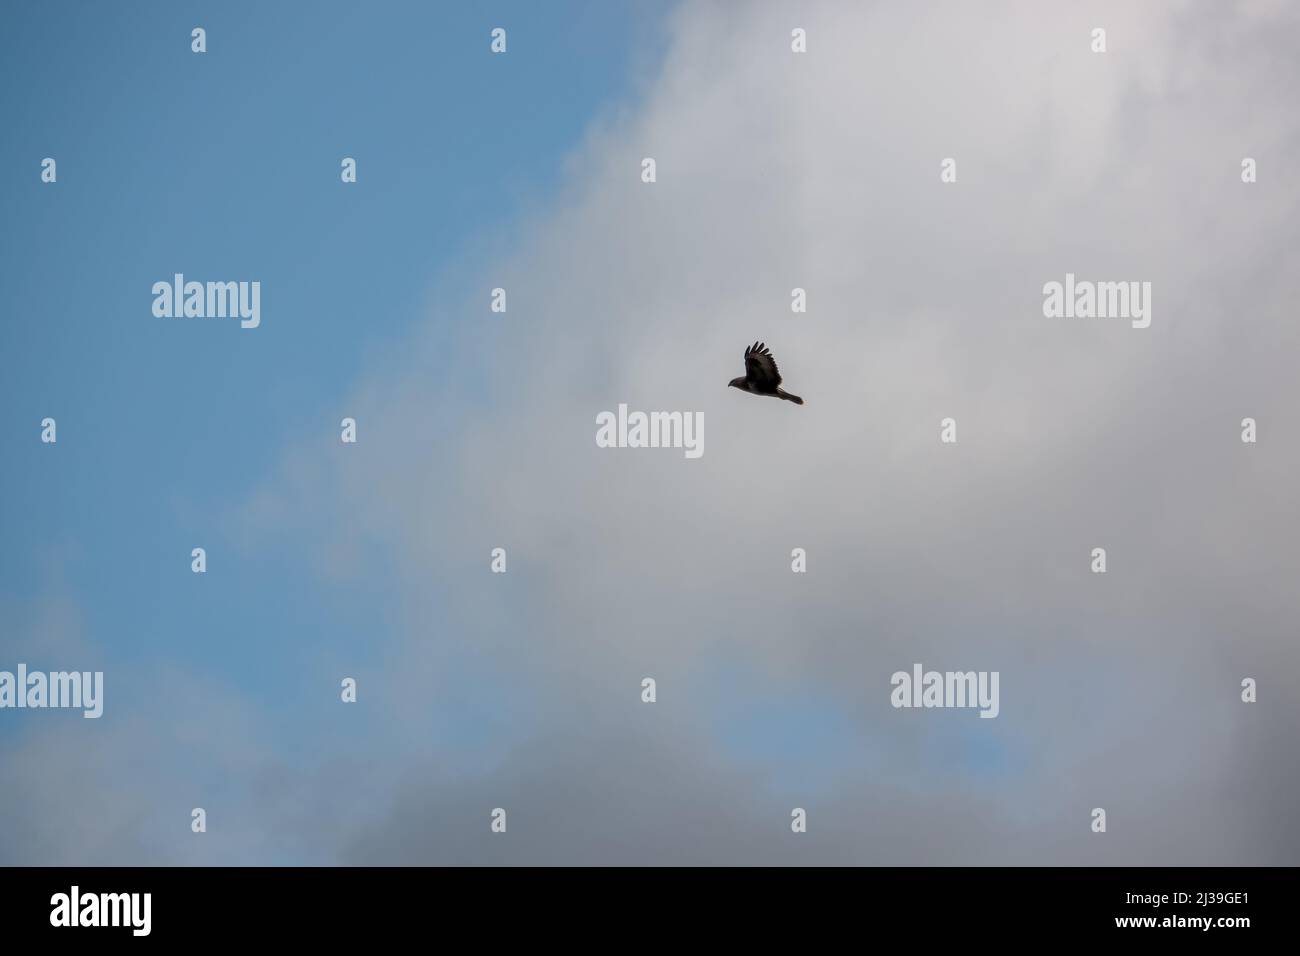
760, 368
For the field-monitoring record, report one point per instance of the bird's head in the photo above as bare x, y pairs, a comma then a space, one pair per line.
737, 382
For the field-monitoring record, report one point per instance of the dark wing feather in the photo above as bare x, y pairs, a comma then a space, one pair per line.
760, 368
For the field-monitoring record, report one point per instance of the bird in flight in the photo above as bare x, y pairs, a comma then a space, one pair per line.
761, 375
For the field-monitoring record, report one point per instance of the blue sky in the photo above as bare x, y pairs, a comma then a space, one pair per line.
226, 166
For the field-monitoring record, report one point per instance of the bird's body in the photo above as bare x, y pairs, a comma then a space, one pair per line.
762, 377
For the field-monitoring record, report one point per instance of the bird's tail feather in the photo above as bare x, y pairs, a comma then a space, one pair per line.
782, 393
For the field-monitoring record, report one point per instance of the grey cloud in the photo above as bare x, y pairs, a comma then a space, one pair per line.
925, 301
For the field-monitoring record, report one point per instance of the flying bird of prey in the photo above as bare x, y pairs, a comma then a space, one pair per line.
761, 375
